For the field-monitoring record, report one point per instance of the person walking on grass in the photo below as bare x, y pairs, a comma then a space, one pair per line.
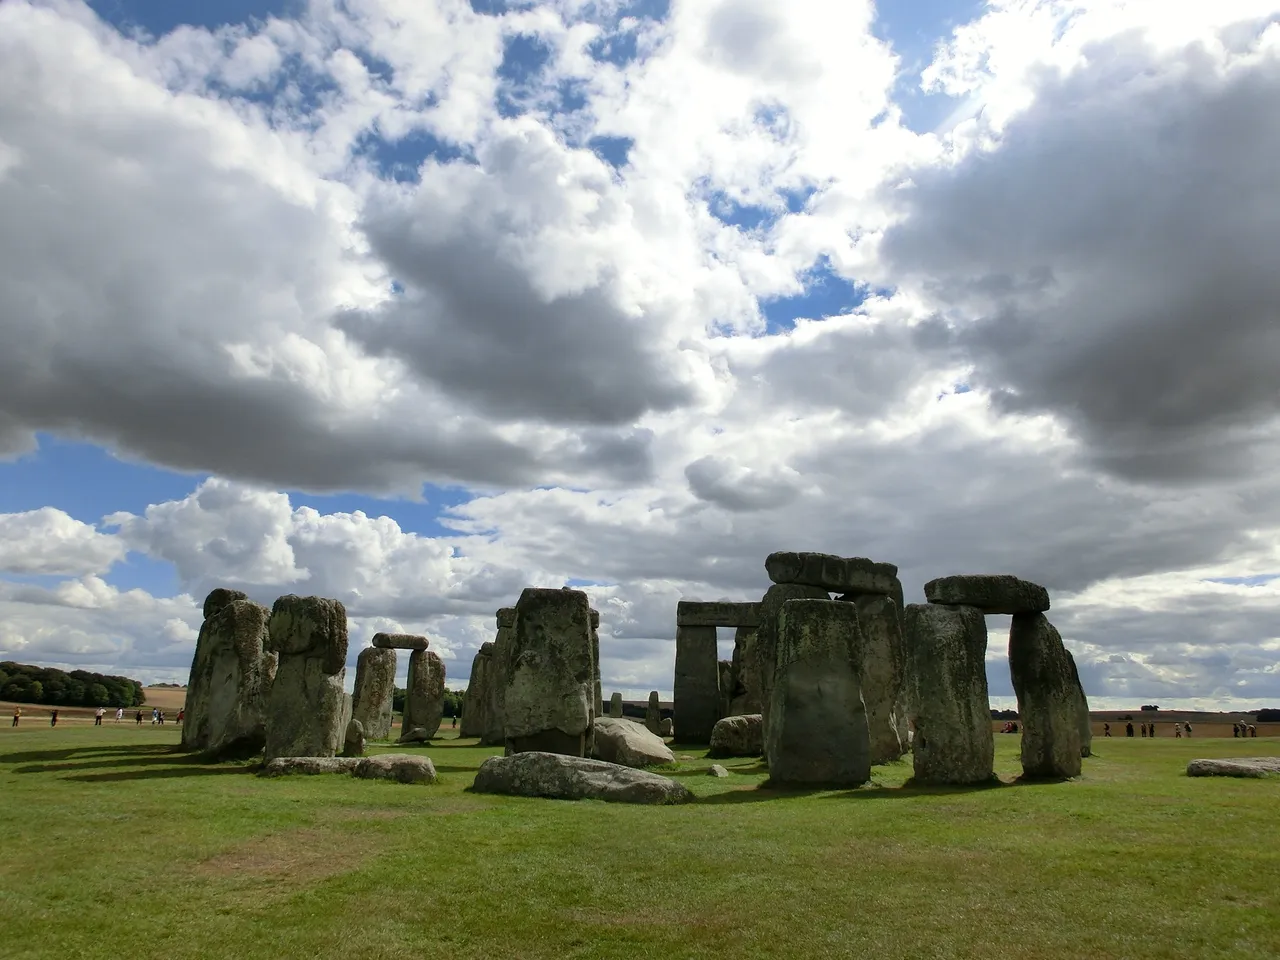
119, 714
1177, 730
139, 718
53, 719
1188, 729
155, 715
1106, 730
17, 715
97, 717
181, 713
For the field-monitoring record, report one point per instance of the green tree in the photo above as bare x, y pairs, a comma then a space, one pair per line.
99, 696
35, 692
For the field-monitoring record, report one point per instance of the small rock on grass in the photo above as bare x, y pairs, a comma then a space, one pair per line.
715, 770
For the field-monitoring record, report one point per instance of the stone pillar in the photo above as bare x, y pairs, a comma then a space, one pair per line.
615, 705
1048, 704
653, 713
231, 677
423, 697
1083, 720
306, 712
500, 667
946, 650
371, 702
765, 647
745, 697
550, 674
479, 695
725, 683
597, 700
697, 683
817, 729
882, 673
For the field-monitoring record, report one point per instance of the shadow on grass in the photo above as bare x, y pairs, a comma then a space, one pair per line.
115, 750
768, 791
147, 762
150, 773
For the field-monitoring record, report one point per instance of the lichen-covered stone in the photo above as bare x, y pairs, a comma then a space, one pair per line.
817, 726
556, 776
373, 697
398, 767
740, 736
719, 613
231, 677
597, 702
550, 678
284, 766
833, 574
990, 593
882, 670
307, 710
1048, 713
697, 683
476, 702
400, 641
1235, 767
499, 669
626, 742
764, 649
653, 713
1083, 721
353, 744
946, 650
423, 696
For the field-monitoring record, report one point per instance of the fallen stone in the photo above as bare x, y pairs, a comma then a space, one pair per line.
284, 766
695, 613
990, 593
1235, 767
615, 705
1047, 698
415, 735
741, 736
628, 743
764, 649
946, 665
424, 695
353, 744
400, 641
833, 574
371, 701
307, 711
400, 767
883, 668
231, 677
817, 727
715, 770
554, 775
550, 678
697, 683
476, 701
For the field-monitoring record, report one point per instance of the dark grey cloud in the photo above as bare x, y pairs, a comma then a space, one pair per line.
737, 488
1111, 262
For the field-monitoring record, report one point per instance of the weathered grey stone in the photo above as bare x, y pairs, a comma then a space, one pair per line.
231, 677
715, 770
744, 697
550, 679
883, 668
400, 641
666, 727
697, 683
764, 648
1235, 767
499, 668
284, 766
946, 652
653, 713
717, 613
1083, 721
539, 774
990, 593
597, 703
629, 743
399, 767
833, 574
1047, 700
423, 696
372, 699
353, 744
817, 727
741, 736
479, 696
615, 705
307, 710
726, 684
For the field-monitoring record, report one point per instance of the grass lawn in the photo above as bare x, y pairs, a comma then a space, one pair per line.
115, 845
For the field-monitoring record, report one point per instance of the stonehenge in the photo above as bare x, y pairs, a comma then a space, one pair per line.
882, 669
615, 705
560, 777
990, 593
476, 704
307, 710
423, 696
371, 701
653, 713
231, 677
697, 683
502, 644
1046, 686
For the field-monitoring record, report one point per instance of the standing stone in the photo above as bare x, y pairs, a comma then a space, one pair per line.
1084, 721
817, 727
597, 701
882, 673
946, 650
371, 702
479, 695
307, 711
745, 697
353, 743
738, 737
697, 683
764, 649
549, 675
653, 713
666, 728
423, 697
833, 574
499, 667
726, 686
1048, 703
615, 705
990, 593
231, 676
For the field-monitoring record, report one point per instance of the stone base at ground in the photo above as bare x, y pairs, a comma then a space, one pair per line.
630, 744
284, 766
741, 736
715, 770
1235, 767
562, 777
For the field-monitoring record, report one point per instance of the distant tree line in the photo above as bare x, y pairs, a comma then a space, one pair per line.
1268, 715
24, 683
452, 702
1004, 714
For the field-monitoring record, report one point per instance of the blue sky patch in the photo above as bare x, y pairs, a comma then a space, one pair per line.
159, 17
826, 294
1257, 580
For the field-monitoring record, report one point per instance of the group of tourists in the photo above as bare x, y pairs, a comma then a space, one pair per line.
157, 716
1243, 730
1149, 729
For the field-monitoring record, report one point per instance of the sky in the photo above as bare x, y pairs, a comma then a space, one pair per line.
416, 303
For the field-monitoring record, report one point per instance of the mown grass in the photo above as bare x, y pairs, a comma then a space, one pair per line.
116, 845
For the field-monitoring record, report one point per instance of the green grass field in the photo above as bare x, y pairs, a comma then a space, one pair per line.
116, 846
